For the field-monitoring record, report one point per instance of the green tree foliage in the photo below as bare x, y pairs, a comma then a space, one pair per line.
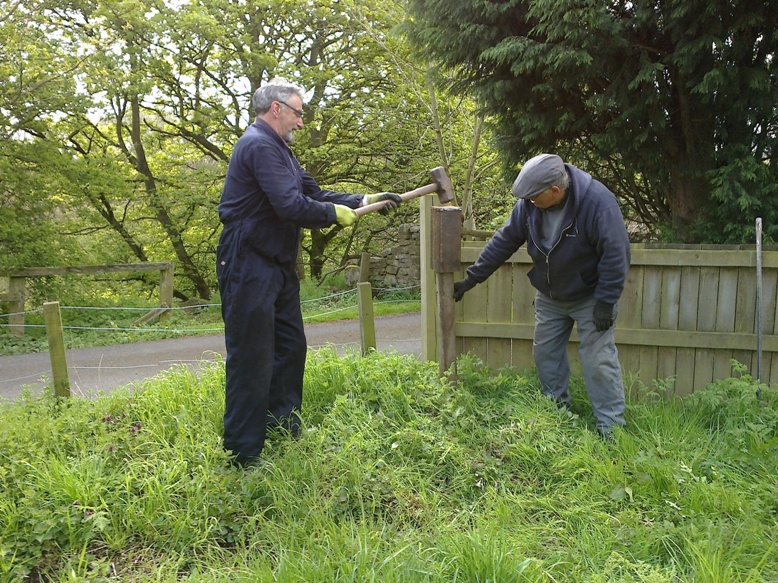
672, 103
130, 110
34, 81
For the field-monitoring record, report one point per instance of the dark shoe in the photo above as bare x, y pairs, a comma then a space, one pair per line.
606, 434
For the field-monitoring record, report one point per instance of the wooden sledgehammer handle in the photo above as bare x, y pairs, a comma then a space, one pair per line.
416, 193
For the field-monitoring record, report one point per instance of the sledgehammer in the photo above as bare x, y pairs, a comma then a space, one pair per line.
441, 184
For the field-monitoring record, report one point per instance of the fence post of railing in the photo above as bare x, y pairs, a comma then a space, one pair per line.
366, 317
16, 292
364, 267
429, 333
56, 338
166, 290
445, 259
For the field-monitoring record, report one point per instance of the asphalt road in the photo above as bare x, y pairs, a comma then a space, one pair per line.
100, 369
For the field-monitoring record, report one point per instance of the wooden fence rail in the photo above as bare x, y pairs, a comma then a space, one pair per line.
685, 314
17, 283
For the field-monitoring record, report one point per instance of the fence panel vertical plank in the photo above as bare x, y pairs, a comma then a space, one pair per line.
523, 314
686, 371
649, 362
671, 292
631, 302
652, 319
459, 314
707, 317
688, 363
709, 284
746, 315
769, 307
745, 357
722, 366
474, 310
727, 300
652, 288
745, 308
703, 370
769, 325
666, 366
498, 309
726, 308
631, 318
689, 301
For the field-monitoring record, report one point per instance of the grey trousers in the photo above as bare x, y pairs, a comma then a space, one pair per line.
602, 372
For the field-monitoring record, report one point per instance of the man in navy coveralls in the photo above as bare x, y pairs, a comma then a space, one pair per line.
267, 199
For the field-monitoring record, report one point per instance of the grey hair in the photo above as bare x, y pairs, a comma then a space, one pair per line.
564, 182
277, 89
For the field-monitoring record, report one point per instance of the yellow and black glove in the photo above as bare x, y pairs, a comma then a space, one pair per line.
345, 215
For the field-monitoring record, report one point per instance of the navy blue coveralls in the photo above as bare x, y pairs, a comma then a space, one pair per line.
267, 198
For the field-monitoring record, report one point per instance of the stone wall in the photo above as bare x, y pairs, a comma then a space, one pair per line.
399, 266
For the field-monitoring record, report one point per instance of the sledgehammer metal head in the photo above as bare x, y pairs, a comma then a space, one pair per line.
441, 183
445, 189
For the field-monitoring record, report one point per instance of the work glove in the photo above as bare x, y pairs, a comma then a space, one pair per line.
345, 215
602, 316
460, 287
393, 201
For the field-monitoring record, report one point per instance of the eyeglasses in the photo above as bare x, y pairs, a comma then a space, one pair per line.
297, 112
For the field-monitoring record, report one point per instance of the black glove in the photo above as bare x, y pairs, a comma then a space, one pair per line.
602, 316
393, 200
460, 287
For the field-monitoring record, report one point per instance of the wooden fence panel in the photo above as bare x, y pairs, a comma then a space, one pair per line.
498, 309
684, 315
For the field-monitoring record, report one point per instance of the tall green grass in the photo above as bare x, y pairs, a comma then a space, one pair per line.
398, 477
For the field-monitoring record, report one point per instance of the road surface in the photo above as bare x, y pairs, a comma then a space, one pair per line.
100, 369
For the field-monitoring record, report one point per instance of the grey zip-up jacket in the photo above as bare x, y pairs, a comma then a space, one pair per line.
590, 257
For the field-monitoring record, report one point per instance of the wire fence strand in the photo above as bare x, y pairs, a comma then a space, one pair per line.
325, 307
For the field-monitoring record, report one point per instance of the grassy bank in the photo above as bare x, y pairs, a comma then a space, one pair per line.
398, 477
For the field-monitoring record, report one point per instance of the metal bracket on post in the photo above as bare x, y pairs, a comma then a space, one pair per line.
445, 259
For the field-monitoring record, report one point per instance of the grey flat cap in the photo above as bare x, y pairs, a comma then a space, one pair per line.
538, 174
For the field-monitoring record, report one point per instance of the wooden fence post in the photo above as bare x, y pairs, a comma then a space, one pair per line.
56, 338
366, 317
429, 334
166, 290
445, 259
364, 267
16, 293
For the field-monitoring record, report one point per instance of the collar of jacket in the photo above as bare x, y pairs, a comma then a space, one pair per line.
264, 127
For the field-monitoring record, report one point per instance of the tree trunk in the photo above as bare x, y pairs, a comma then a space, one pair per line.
319, 241
689, 199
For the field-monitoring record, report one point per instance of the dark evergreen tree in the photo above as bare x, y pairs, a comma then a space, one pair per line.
673, 102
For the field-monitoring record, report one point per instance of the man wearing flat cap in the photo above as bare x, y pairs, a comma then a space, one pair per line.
576, 237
